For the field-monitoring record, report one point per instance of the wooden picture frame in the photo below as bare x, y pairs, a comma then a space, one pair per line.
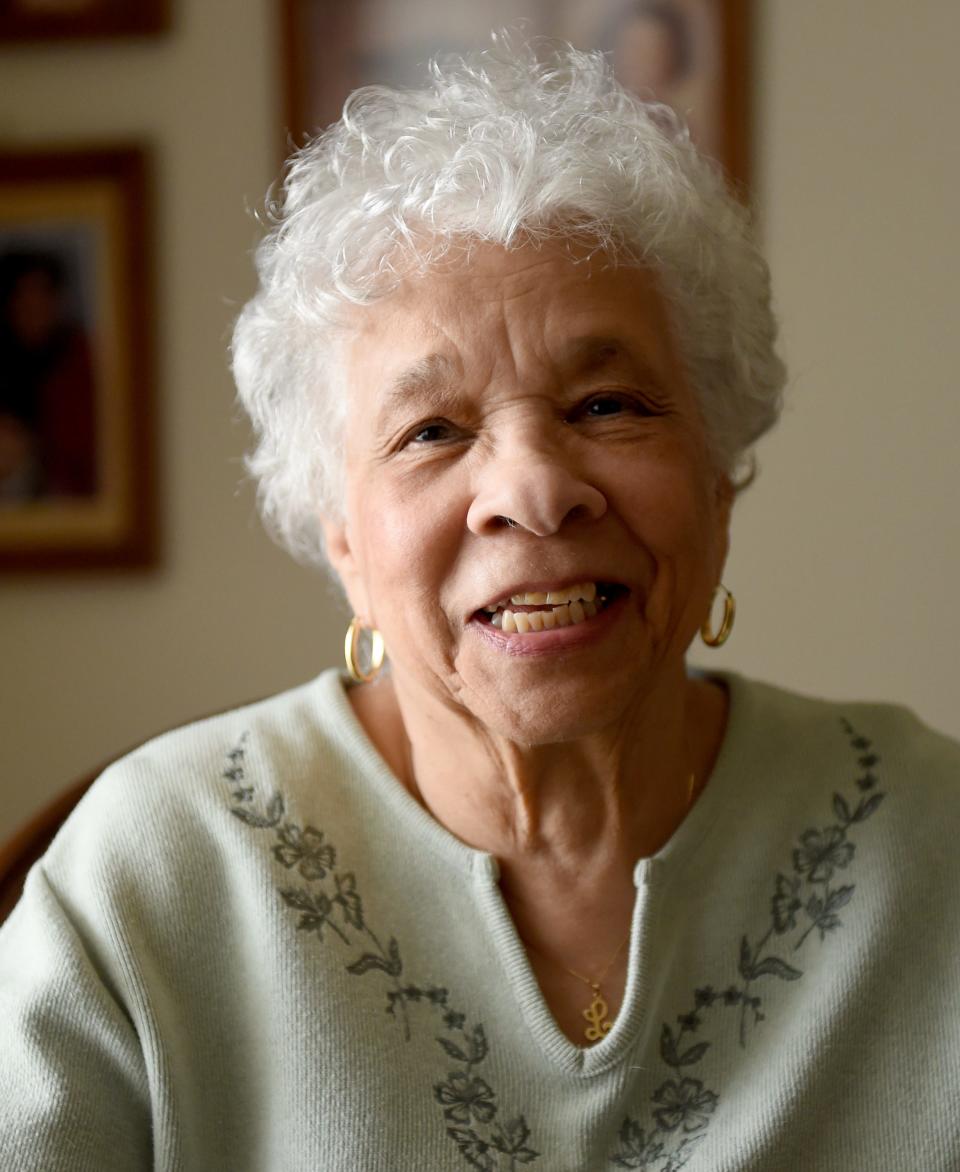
77, 467
57, 20
694, 54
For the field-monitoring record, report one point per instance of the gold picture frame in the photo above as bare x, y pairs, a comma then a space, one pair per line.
58, 20
692, 54
77, 467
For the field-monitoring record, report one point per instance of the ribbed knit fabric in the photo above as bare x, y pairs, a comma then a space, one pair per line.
250, 949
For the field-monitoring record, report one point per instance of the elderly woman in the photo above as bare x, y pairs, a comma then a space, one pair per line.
533, 894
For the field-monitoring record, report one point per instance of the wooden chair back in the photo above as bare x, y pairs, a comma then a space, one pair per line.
19, 853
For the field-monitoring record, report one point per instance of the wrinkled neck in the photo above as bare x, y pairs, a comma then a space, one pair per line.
589, 806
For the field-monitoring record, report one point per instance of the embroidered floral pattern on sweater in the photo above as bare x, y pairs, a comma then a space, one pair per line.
806, 897
330, 904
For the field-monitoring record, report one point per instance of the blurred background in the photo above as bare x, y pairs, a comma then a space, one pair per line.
846, 552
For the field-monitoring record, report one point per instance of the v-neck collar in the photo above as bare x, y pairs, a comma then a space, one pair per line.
651, 876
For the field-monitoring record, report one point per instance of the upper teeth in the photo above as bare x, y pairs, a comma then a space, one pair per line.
584, 591
566, 608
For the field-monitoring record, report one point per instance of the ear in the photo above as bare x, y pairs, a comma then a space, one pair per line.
344, 560
724, 496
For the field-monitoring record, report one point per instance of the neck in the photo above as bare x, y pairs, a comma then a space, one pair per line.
566, 822
571, 816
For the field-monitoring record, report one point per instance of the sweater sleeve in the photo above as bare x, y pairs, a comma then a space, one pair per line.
74, 1092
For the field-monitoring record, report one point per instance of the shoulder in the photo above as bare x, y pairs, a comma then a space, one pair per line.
859, 730
169, 805
850, 771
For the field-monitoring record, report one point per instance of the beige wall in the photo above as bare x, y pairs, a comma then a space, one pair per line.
846, 556
91, 666
846, 553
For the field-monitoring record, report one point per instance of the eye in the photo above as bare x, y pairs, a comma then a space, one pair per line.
432, 432
610, 403
604, 405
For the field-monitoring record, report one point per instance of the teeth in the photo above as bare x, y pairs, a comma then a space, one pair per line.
533, 598
522, 622
562, 608
587, 591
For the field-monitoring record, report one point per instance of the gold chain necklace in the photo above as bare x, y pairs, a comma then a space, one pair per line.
596, 1013
598, 1023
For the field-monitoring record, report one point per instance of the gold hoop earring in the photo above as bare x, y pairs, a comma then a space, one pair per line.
718, 638
351, 646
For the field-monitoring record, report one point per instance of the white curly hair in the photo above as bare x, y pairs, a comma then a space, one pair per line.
502, 146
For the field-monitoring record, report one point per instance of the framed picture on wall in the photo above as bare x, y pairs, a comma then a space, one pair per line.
45, 20
691, 54
76, 404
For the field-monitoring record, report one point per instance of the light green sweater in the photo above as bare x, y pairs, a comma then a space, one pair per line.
250, 949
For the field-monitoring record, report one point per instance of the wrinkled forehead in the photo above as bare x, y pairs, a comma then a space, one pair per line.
545, 305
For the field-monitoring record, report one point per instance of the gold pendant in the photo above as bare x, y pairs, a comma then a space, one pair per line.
596, 1016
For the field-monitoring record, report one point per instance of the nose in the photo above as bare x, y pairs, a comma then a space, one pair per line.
535, 490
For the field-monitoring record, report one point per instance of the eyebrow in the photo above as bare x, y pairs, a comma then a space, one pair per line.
426, 374
431, 378
594, 353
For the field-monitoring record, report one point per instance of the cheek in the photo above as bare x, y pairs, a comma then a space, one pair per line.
675, 517
408, 554
671, 506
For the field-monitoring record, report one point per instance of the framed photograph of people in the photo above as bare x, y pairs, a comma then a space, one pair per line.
76, 404
54, 20
691, 54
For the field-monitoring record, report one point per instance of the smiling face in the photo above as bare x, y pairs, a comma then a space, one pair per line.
520, 428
